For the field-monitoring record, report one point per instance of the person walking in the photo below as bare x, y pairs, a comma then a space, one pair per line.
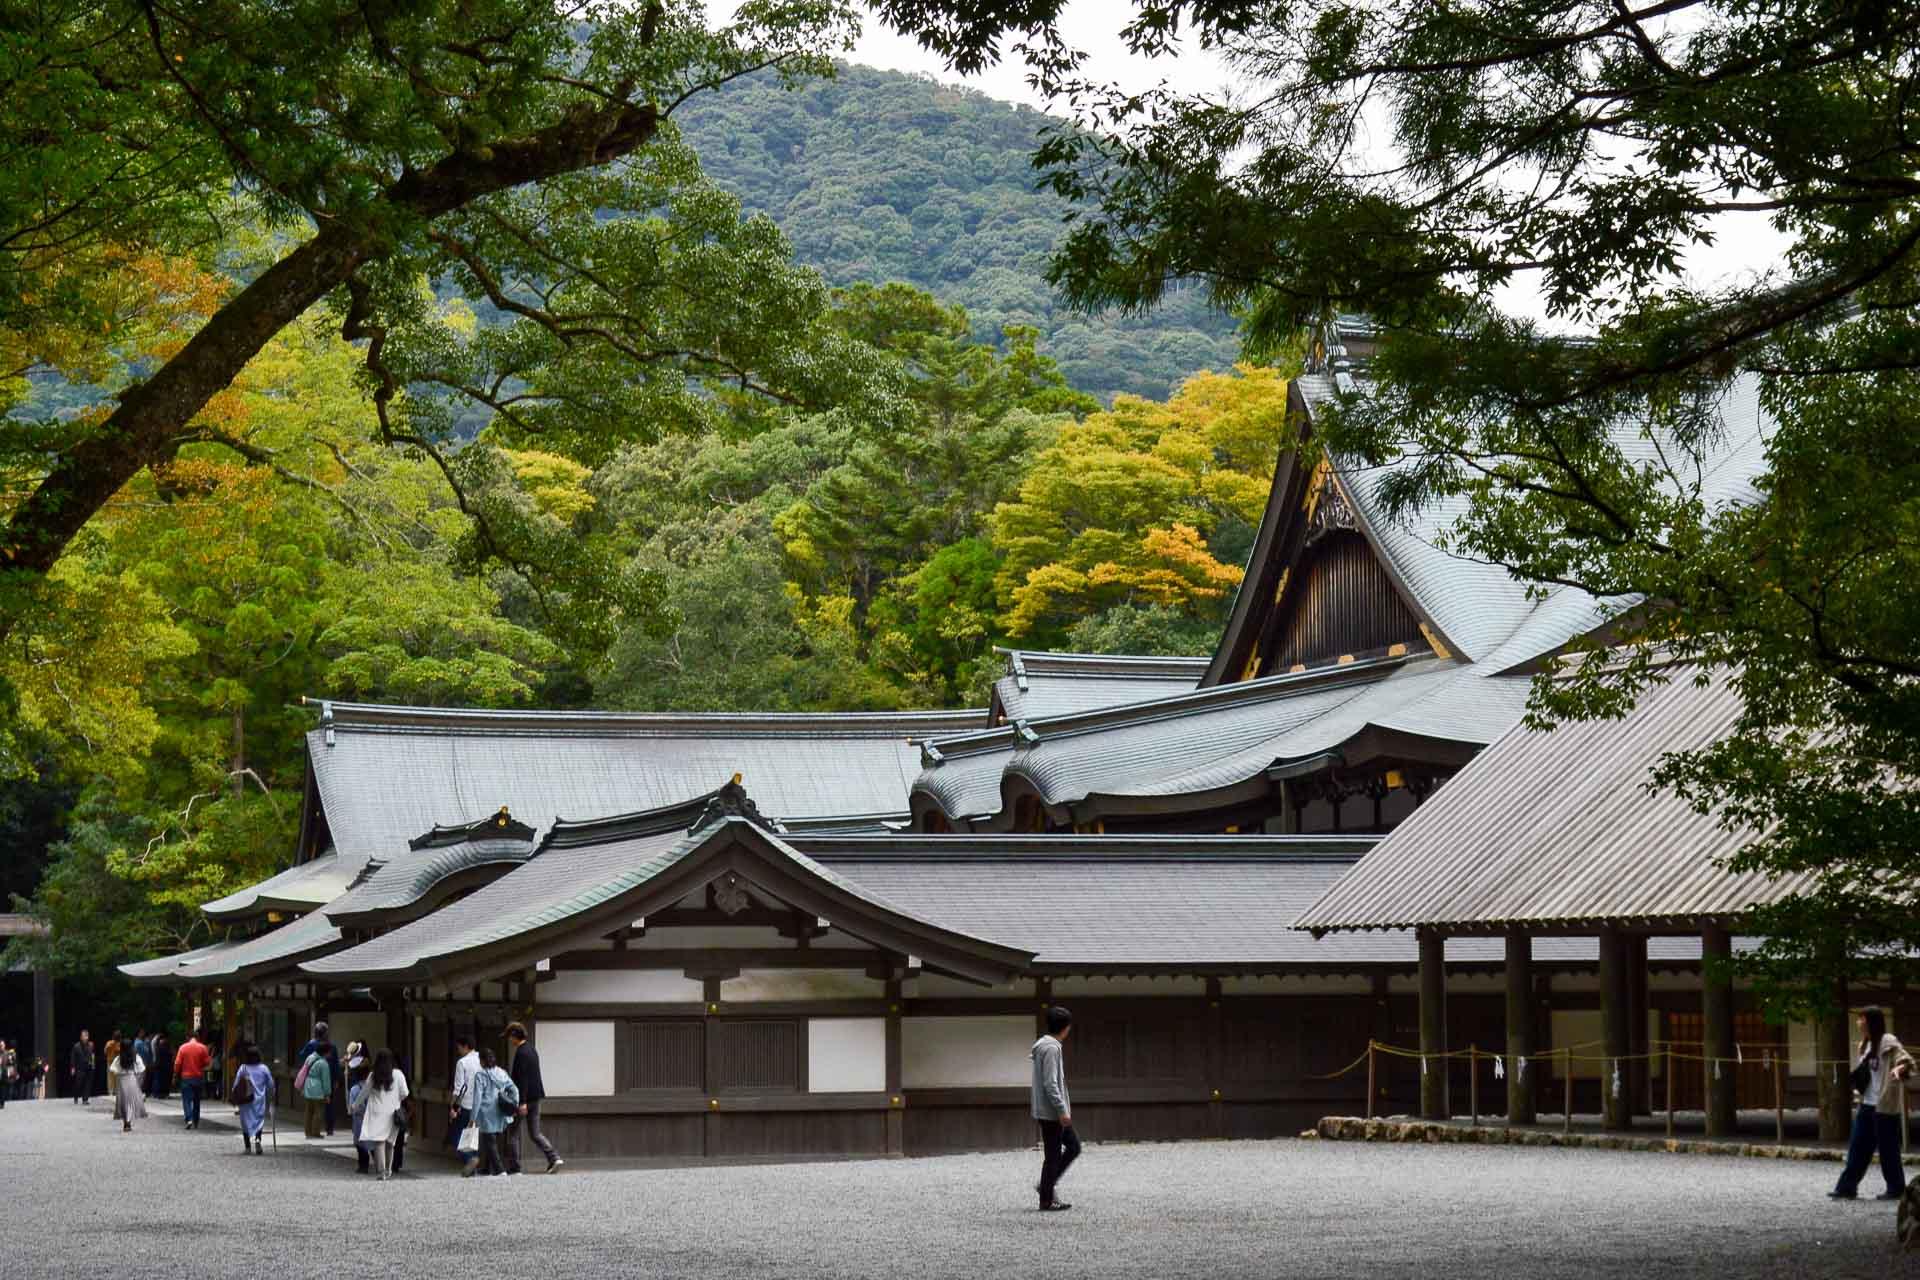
1879, 1075
110, 1052
124, 1070
252, 1092
80, 1069
316, 1084
466, 1066
143, 1045
525, 1071
322, 1041
1053, 1108
9, 1072
495, 1104
381, 1112
162, 1065
358, 1069
191, 1064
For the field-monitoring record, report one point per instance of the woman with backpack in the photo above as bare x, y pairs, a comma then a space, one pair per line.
381, 1109
495, 1102
315, 1083
252, 1091
1883, 1065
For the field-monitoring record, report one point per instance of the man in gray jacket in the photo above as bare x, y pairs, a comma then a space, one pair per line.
1053, 1108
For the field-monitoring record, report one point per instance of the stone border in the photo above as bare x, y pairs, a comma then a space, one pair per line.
1356, 1129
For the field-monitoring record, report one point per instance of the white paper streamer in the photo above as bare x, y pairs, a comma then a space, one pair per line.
1716, 1068
1737, 1055
1522, 1068
1616, 1078
1499, 1068
1423, 1064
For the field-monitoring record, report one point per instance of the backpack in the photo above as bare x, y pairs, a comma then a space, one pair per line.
242, 1090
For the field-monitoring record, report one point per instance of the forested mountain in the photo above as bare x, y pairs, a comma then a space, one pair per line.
878, 176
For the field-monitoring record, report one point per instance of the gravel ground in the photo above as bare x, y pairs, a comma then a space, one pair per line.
73, 1187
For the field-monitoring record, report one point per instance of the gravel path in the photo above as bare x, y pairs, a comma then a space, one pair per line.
73, 1187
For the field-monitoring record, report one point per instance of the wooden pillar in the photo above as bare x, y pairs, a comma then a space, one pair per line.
1543, 1041
1433, 1025
1520, 1029
1216, 1060
1832, 1047
896, 1097
1615, 1105
1639, 1074
1716, 1004
1381, 1029
43, 1045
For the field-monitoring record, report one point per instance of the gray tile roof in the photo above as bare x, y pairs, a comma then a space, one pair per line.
171, 968
299, 888
1154, 903
1217, 739
386, 774
410, 876
265, 953
1040, 684
580, 866
1558, 829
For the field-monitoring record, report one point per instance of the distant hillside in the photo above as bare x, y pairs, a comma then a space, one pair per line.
879, 176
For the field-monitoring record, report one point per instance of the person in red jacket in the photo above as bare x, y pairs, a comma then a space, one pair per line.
190, 1065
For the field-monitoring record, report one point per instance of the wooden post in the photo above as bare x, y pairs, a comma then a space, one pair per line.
1473, 1081
1370, 1080
1433, 1025
1779, 1099
1640, 1065
1830, 1046
1520, 1109
1566, 1076
1716, 1002
1616, 1107
1669, 1088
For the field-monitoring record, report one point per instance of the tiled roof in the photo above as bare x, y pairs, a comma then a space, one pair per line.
1559, 829
578, 868
264, 953
171, 968
1154, 903
386, 774
1214, 740
299, 888
411, 876
1040, 684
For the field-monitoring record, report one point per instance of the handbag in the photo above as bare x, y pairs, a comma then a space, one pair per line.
300, 1077
1862, 1077
469, 1140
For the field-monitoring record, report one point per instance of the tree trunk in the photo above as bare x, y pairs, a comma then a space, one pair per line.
236, 770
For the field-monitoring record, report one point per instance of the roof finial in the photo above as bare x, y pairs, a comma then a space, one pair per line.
730, 801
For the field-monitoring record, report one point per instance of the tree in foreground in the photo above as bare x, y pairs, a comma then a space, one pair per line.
483, 144
1411, 161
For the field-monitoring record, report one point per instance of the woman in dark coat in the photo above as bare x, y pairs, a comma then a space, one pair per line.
162, 1064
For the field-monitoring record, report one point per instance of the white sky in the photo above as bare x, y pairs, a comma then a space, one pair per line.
1746, 246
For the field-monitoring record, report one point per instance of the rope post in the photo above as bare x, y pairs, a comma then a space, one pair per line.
1566, 1074
1779, 1100
1473, 1080
1371, 1091
1669, 1089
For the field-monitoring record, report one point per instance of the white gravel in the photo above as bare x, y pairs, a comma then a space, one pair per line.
79, 1197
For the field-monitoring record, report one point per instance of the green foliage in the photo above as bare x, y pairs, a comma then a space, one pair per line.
1155, 629
879, 176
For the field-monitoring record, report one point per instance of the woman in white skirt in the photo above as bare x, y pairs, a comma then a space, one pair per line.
123, 1082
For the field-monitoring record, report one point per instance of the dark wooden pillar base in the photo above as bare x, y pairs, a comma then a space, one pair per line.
1433, 1025
1716, 1003
1520, 1029
1615, 1104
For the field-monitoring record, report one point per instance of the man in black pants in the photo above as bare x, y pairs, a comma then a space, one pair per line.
526, 1078
1053, 1108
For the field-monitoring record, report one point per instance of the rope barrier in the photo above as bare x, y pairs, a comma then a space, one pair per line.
1356, 1063
1760, 1061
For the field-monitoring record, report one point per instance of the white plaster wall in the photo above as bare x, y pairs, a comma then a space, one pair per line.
651, 986
800, 984
1064, 988
1306, 984
962, 1053
691, 938
937, 986
846, 1055
576, 1058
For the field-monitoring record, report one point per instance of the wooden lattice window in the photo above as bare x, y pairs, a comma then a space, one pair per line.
758, 1055
663, 1053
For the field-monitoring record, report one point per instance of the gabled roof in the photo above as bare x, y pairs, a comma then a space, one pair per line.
1557, 829
589, 878
1040, 684
270, 952
1185, 904
382, 775
301, 887
1478, 611
1221, 745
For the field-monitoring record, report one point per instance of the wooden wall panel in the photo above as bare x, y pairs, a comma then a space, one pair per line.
934, 1130
775, 1133
1339, 601
631, 1136
758, 1055
661, 1053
